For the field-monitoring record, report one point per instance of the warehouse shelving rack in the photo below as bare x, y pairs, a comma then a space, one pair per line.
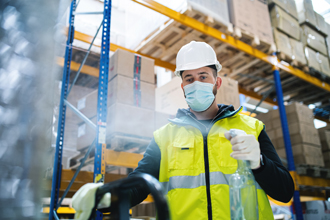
100, 127
102, 72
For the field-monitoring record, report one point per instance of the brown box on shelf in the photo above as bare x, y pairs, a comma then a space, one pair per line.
228, 93
266, 119
262, 24
288, 5
282, 43
306, 12
85, 135
311, 57
126, 90
298, 51
144, 210
324, 63
299, 133
121, 89
241, 16
124, 63
123, 119
304, 154
312, 39
170, 97
325, 139
296, 112
326, 156
284, 22
130, 120
321, 24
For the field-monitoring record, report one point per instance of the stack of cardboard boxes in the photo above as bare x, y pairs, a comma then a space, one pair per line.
131, 99
251, 18
305, 141
314, 32
286, 29
325, 142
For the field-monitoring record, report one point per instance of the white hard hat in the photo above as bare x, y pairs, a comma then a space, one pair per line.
195, 55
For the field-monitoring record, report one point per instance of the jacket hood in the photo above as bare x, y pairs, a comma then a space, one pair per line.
225, 109
186, 117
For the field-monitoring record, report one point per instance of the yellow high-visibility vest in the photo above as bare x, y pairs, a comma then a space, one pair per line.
183, 174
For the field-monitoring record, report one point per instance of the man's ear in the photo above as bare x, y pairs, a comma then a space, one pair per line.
181, 86
219, 82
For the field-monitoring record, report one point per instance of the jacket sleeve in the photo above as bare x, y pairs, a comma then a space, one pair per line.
149, 164
272, 176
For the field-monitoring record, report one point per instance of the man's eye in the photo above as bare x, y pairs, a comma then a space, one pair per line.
203, 77
189, 80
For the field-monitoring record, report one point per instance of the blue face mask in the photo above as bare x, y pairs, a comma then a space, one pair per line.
199, 96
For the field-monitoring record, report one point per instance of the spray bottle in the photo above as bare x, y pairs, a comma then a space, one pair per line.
243, 192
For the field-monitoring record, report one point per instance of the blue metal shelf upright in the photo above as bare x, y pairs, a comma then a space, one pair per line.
100, 127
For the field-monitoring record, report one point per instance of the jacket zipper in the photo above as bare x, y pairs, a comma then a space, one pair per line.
207, 168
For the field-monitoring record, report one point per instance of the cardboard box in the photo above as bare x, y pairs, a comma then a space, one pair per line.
144, 209
241, 14
296, 112
326, 156
298, 51
121, 119
289, 6
306, 12
299, 133
284, 22
294, 117
262, 24
324, 63
283, 43
121, 89
315, 210
228, 93
170, 97
304, 154
85, 135
130, 120
321, 24
312, 39
325, 139
311, 57
126, 63
129, 91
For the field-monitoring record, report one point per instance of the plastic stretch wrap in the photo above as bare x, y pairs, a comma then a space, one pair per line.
26, 76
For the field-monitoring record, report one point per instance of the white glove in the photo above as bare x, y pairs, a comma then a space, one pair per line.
83, 200
245, 147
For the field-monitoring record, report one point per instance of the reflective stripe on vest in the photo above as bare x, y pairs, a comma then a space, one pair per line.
190, 182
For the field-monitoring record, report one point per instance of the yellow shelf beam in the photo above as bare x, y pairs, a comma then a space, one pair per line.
113, 47
205, 29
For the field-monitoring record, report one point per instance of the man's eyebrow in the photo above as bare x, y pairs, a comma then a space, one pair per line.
187, 76
203, 73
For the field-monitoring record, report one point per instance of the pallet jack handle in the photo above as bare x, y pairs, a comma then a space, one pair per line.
120, 201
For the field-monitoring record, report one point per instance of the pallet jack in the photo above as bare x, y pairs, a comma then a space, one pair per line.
120, 201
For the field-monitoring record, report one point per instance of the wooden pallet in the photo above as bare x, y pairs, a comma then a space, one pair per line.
314, 171
166, 41
117, 142
254, 41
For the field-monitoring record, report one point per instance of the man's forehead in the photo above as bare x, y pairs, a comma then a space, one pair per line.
202, 70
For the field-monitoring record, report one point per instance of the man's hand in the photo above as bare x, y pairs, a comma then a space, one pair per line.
245, 147
83, 200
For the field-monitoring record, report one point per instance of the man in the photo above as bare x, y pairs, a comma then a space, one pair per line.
194, 154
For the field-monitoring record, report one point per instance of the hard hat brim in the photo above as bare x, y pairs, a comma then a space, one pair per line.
193, 66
